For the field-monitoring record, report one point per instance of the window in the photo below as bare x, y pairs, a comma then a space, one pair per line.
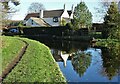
55, 19
32, 22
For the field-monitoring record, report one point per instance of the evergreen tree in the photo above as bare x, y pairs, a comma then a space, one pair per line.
110, 19
115, 31
82, 16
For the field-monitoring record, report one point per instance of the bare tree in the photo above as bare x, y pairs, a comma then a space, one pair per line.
5, 11
101, 10
35, 7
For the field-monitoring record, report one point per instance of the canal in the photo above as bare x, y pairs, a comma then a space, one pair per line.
80, 62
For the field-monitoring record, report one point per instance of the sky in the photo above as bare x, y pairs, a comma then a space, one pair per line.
56, 4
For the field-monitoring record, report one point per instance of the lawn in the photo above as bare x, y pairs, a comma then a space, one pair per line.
10, 49
36, 65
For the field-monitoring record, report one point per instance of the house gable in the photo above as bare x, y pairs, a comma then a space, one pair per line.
36, 22
65, 14
32, 15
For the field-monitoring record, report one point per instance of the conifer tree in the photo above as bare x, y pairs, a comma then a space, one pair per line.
110, 20
82, 16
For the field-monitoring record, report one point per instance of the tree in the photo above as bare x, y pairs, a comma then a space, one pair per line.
63, 22
5, 11
5, 6
82, 16
111, 20
102, 9
115, 31
81, 61
111, 62
35, 7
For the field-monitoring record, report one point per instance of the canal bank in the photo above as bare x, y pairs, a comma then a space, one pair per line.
37, 65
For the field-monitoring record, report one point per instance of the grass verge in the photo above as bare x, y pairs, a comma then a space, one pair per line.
37, 65
10, 49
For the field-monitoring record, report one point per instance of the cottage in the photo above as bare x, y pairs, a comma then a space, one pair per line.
49, 17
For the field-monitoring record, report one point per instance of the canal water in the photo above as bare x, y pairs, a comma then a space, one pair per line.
80, 62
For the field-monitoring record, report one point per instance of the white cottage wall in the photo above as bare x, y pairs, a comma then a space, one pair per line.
51, 22
32, 23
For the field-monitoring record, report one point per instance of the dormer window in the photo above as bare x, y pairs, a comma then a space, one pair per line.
55, 19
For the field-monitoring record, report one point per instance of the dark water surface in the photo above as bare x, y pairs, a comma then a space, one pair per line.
79, 62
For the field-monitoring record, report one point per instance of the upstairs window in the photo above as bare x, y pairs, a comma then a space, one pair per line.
55, 19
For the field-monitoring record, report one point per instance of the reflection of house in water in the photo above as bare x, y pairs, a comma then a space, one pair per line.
65, 57
60, 56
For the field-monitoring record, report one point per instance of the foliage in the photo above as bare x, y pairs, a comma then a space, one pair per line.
110, 56
115, 32
82, 16
63, 22
36, 65
50, 31
70, 26
6, 10
6, 2
35, 7
110, 20
81, 61
9, 50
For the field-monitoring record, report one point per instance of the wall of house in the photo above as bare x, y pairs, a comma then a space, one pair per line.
71, 16
29, 22
50, 21
65, 14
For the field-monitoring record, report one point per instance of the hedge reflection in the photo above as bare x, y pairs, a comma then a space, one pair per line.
81, 61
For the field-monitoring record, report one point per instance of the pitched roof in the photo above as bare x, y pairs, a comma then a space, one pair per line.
40, 21
46, 14
31, 15
52, 13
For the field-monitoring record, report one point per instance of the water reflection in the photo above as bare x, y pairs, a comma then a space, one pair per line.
111, 61
81, 63
92, 64
61, 56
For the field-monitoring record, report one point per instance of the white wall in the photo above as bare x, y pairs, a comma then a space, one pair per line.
65, 14
29, 23
50, 21
71, 17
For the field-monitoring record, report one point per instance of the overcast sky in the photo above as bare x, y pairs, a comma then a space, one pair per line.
55, 4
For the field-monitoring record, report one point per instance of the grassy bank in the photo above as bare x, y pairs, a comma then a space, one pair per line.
10, 49
37, 65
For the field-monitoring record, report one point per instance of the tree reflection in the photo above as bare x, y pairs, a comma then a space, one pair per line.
81, 61
111, 60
